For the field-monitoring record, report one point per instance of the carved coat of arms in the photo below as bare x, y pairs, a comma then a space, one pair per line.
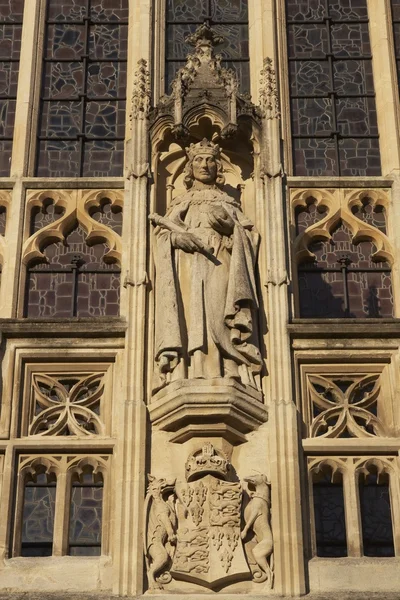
196, 533
209, 549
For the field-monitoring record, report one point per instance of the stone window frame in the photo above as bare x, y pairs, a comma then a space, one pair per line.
351, 467
63, 466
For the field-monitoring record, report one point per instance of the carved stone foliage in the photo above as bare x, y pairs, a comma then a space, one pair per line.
59, 401
341, 253
141, 95
204, 87
345, 402
193, 527
269, 99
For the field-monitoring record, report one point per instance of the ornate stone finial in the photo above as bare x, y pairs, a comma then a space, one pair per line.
141, 92
203, 147
206, 461
204, 36
269, 100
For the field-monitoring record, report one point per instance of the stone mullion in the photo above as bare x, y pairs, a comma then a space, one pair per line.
283, 442
385, 83
6, 504
28, 86
61, 515
352, 511
20, 156
394, 486
129, 462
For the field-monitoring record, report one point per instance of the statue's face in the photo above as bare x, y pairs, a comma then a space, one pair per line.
204, 168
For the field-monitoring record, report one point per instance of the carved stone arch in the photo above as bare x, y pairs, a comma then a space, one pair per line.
32, 466
97, 463
336, 466
338, 212
381, 465
34, 245
97, 232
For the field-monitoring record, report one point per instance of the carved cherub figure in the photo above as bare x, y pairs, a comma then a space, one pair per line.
257, 520
160, 530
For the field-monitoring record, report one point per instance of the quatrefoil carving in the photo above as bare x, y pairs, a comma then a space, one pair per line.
66, 404
344, 406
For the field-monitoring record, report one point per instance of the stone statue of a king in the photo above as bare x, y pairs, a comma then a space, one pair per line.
206, 293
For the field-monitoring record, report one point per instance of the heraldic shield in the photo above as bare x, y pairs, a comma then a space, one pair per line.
209, 550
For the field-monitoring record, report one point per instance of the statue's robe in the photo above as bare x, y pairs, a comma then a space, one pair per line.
206, 304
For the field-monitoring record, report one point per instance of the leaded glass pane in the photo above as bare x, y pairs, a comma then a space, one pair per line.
84, 89
75, 281
343, 281
330, 524
228, 18
331, 85
38, 516
376, 517
11, 13
86, 515
396, 34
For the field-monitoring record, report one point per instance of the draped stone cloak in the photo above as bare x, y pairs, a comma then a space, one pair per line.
206, 303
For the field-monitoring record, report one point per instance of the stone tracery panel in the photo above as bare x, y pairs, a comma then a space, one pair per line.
342, 256
72, 252
70, 399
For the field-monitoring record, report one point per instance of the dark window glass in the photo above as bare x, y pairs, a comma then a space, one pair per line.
83, 96
228, 18
334, 123
77, 279
330, 525
376, 515
344, 281
86, 514
38, 515
11, 12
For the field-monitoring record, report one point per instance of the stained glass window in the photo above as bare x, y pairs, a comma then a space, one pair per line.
86, 514
75, 278
229, 18
376, 515
83, 97
344, 281
333, 113
329, 514
38, 514
11, 13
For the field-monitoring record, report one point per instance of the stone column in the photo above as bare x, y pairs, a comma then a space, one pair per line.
283, 430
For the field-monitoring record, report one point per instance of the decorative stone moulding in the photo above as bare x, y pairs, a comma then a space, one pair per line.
204, 407
204, 88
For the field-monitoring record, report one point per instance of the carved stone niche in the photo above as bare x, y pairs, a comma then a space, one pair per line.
208, 353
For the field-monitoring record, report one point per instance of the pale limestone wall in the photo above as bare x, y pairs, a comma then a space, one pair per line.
125, 345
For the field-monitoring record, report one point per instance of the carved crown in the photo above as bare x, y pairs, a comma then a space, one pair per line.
206, 461
203, 147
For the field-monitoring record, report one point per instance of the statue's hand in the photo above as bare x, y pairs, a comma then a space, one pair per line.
188, 242
221, 221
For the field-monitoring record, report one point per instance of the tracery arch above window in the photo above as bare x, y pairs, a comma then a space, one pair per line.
11, 13
229, 18
343, 255
333, 113
72, 253
83, 96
